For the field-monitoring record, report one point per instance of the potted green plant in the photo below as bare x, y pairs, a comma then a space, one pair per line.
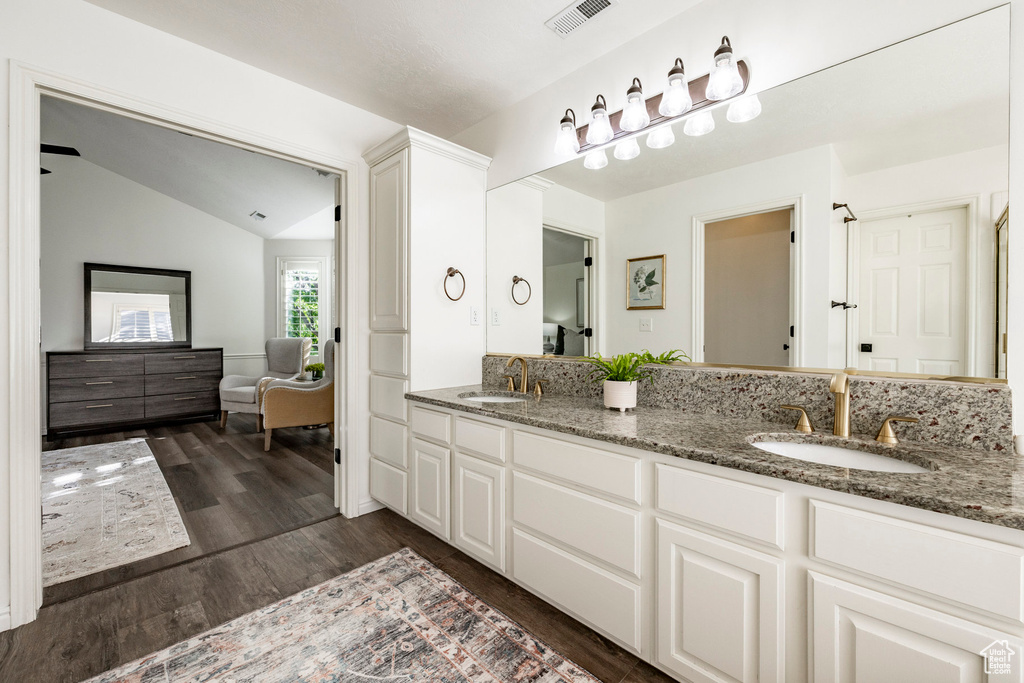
316, 370
620, 374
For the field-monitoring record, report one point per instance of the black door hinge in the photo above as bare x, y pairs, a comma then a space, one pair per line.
791, 331
588, 261
588, 332
337, 456
337, 335
337, 213
792, 237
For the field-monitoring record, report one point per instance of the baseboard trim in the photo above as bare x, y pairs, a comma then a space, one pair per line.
369, 505
5, 618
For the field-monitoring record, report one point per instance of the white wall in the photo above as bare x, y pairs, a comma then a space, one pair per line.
272, 249
81, 41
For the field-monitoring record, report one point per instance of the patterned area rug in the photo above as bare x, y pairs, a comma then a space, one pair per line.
104, 506
397, 619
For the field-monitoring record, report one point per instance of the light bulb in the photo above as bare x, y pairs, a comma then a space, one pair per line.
627, 149
724, 80
595, 160
567, 143
744, 109
676, 100
600, 129
634, 114
661, 138
701, 123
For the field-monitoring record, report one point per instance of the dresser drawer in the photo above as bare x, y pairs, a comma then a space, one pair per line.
95, 365
182, 361
180, 383
99, 411
92, 388
173, 405
595, 468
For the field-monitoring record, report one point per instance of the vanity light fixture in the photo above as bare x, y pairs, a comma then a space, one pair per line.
659, 138
595, 160
627, 149
700, 123
567, 144
744, 109
724, 80
634, 114
676, 99
600, 129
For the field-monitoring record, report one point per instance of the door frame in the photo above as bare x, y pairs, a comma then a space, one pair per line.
853, 244
27, 84
593, 279
796, 267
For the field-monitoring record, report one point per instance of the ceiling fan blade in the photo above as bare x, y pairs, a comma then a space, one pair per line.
57, 149
43, 171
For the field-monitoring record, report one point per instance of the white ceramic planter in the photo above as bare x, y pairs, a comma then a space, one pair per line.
619, 395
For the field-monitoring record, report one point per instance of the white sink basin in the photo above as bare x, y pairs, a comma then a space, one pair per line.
492, 398
839, 457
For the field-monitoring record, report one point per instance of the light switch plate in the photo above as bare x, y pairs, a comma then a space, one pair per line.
495, 316
474, 315
646, 324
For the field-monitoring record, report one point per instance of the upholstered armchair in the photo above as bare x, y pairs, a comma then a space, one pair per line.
290, 403
286, 358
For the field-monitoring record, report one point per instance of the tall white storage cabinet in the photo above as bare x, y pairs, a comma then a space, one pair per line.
427, 214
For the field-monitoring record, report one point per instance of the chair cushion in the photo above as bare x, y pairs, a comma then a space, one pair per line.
239, 395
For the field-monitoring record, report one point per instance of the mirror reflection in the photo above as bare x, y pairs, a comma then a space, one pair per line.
136, 308
852, 224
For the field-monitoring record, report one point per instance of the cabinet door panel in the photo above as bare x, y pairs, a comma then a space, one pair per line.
430, 477
478, 526
720, 609
860, 635
388, 243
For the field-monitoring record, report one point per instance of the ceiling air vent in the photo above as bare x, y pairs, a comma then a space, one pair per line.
257, 216
577, 14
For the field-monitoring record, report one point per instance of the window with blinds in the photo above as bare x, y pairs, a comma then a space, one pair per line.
142, 324
302, 299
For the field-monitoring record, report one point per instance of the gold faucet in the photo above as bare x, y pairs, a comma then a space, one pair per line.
523, 378
840, 386
886, 434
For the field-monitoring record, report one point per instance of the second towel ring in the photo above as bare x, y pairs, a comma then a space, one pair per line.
529, 290
452, 272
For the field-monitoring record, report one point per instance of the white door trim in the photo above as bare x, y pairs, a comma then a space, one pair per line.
974, 286
593, 289
27, 83
796, 267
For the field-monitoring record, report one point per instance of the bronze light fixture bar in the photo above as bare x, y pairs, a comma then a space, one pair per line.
698, 87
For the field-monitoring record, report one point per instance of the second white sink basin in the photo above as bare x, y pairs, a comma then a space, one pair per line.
839, 457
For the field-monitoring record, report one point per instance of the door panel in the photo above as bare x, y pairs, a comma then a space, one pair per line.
430, 484
478, 527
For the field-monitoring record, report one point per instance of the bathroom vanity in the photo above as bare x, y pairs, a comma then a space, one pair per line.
716, 561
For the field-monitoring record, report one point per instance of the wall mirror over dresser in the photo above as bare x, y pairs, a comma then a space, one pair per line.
858, 221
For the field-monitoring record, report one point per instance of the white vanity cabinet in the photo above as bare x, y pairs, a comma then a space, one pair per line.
714, 574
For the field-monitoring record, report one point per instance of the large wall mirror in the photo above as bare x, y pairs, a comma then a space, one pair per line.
759, 268
129, 307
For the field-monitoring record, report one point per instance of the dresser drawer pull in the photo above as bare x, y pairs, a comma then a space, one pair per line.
186, 398
104, 405
183, 357
192, 377
91, 383
99, 360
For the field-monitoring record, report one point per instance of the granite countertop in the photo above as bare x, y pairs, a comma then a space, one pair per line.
979, 485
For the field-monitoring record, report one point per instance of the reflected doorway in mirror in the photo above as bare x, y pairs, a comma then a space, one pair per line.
645, 283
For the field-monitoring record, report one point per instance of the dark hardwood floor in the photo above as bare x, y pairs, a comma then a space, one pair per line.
228, 490
87, 635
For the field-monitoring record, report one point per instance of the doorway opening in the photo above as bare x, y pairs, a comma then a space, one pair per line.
568, 261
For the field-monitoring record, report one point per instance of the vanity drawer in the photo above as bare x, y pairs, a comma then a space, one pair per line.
92, 388
389, 485
480, 438
744, 509
183, 361
95, 365
99, 411
173, 405
978, 573
603, 530
595, 468
179, 383
430, 424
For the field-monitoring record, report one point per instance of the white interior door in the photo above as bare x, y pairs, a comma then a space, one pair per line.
913, 293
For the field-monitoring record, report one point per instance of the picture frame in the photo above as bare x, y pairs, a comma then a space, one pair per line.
645, 283
580, 301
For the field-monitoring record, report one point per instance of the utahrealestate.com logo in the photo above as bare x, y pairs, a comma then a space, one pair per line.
998, 658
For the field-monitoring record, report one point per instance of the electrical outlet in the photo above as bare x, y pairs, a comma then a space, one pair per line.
646, 325
495, 316
474, 315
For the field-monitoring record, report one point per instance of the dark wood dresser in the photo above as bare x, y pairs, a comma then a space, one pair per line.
89, 390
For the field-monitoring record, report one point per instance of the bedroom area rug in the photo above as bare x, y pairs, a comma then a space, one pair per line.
105, 506
399, 618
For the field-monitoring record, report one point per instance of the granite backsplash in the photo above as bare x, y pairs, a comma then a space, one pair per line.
951, 413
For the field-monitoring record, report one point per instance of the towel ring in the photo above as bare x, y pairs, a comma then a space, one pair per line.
452, 272
529, 290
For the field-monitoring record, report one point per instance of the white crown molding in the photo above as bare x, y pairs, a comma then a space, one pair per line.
535, 182
412, 137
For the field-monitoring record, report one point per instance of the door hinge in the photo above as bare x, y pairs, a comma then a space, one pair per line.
588, 261
337, 335
337, 456
791, 331
588, 332
337, 213
792, 236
